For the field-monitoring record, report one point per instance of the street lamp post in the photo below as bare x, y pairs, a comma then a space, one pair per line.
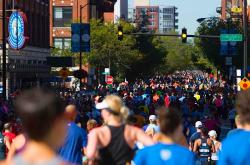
81, 7
245, 21
4, 51
80, 58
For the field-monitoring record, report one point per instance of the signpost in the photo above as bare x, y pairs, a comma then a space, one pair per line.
231, 37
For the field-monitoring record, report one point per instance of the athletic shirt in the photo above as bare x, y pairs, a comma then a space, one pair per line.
18, 160
2, 147
117, 152
204, 149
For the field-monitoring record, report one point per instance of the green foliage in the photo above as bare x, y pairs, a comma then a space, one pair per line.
137, 55
211, 47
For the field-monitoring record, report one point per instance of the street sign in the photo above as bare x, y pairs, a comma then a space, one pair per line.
244, 84
109, 80
231, 37
64, 73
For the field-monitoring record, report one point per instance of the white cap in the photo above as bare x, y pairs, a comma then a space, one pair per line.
152, 117
102, 105
198, 124
212, 133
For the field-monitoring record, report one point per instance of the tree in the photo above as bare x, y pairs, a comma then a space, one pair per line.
211, 47
108, 51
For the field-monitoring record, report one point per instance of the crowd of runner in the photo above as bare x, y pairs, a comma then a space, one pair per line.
172, 119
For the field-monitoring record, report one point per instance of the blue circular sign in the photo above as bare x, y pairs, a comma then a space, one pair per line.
16, 30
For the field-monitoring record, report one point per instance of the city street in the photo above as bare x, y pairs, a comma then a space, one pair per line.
124, 82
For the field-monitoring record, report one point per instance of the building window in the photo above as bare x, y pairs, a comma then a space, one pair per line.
152, 23
168, 23
168, 10
153, 9
152, 16
165, 30
62, 16
167, 17
62, 43
67, 43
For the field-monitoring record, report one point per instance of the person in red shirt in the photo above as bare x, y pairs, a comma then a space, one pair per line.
8, 135
166, 100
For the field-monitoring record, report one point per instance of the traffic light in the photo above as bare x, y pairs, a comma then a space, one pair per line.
184, 35
120, 33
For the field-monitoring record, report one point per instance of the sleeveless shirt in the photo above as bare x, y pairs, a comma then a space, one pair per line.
204, 149
117, 152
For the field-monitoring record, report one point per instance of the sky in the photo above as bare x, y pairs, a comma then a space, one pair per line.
190, 10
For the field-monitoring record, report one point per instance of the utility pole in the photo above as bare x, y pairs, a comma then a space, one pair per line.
245, 22
81, 7
4, 51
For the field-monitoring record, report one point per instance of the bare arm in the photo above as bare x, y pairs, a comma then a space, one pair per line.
196, 144
142, 137
211, 144
12, 151
7, 142
92, 144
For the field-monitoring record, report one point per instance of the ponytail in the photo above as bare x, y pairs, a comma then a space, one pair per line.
124, 112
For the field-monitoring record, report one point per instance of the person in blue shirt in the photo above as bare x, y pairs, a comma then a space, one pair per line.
235, 148
76, 139
167, 151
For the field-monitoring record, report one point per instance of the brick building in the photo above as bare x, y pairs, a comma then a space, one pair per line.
149, 16
64, 12
153, 15
226, 6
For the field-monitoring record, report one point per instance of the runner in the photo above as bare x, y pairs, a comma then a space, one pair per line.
42, 116
76, 140
167, 151
217, 145
152, 128
196, 135
204, 148
8, 135
91, 124
115, 140
235, 149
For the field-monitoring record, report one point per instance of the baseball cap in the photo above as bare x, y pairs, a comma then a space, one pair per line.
212, 133
198, 124
152, 117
